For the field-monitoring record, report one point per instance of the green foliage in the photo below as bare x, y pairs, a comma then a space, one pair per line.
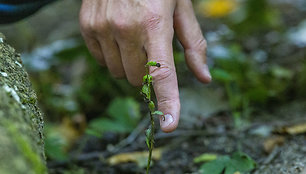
238, 162
148, 133
301, 81
75, 170
124, 114
99, 87
77, 84
55, 144
152, 63
256, 16
146, 91
157, 113
147, 78
247, 83
151, 106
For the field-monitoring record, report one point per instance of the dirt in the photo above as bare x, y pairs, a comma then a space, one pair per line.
214, 135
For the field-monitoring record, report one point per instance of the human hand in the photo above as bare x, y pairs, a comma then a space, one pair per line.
125, 34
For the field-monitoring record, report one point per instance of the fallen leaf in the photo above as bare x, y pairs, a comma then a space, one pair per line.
140, 158
270, 143
292, 129
205, 157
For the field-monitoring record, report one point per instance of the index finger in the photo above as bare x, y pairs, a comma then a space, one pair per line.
159, 49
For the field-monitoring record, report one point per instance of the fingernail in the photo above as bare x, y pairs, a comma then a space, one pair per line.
206, 71
167, 121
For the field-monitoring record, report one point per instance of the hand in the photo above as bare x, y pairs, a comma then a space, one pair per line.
125, 34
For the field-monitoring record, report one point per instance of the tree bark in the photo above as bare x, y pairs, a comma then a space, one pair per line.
21, 122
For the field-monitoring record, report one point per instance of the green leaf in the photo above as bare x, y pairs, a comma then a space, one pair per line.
93, 132
280, 72
157, 113
148, 133
55, 144
240, 162
146, 90
216, 166
221, 75
125, 111
151, 106
147, 79
102, 125
151, 63
124, 116
144, 79
150, 78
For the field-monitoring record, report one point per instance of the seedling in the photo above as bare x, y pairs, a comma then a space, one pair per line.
239, 162
146, 93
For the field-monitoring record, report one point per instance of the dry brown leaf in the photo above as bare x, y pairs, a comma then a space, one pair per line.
270, 143
293, 129
71, 129
137, 157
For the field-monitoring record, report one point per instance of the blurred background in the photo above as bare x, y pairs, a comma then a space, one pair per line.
256, 53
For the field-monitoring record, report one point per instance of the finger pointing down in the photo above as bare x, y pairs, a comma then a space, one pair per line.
165, 80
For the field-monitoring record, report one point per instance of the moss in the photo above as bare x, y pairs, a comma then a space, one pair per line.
21, 122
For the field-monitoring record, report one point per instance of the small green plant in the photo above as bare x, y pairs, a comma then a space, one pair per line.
248, 85
239, 162
146, 93
122, 120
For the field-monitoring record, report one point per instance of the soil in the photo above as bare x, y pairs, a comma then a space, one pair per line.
215, 135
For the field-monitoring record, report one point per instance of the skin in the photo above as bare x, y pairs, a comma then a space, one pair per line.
125, 34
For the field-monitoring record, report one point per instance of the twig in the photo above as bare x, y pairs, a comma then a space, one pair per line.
132, 137
272, 155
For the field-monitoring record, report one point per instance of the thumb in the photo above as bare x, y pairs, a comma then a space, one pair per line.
189, 33
159, 49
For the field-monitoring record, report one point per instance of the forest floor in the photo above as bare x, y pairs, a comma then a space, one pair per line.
275, 139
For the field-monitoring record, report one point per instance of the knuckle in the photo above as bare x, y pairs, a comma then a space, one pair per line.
162, 73
93, 26
84, 24
200, 45
122, 26
152, 21
167, 100
99, 26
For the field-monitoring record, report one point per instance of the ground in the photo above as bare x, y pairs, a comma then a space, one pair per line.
214, 134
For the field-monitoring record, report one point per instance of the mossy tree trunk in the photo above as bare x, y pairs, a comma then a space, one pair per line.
21, 122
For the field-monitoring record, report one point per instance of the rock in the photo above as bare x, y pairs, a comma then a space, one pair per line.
21, 122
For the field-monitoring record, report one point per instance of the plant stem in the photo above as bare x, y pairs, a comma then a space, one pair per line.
151, 137
146, 91
151, 142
